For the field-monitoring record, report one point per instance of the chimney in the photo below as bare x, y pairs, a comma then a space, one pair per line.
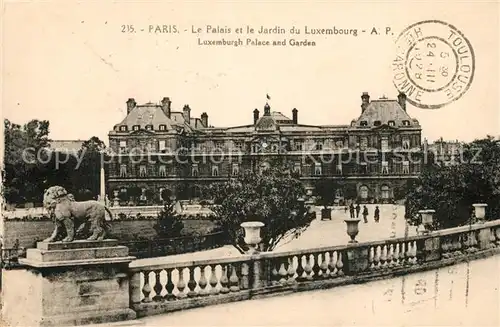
294, 115
186, 112
365, 100
130, 105
402, 100
255, 116
267, 110
166, 105
204, 119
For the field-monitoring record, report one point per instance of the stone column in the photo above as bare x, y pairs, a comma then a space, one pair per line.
102, 185
68, 284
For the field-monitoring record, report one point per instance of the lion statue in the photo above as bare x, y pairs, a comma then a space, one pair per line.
73, 217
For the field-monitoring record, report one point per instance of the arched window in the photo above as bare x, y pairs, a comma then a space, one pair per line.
385, 192
363, 192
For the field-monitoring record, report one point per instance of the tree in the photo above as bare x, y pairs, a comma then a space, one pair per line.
451, 190
271, 197
25, 155
168, 223
91, 154
326, 190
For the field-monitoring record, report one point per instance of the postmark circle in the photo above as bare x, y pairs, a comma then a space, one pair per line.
434, 64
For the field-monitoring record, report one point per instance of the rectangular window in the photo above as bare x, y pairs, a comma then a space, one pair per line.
298, 146
194, 170
406, 167
385, 144
364, 143
319, 145
142, 171
123, 170
218, 145
163, 171
317, 169
339, 168
215, 171
406, 143
236, 169
161, 145
385, 167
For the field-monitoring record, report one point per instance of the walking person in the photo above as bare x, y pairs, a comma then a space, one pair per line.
376, 215
365, 214
358, 209
351, 210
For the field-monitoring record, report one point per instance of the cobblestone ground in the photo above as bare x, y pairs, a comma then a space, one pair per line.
462, 295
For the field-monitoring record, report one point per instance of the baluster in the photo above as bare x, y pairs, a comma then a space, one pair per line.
300, 268
376, 258
390, 255
224, 280
244, 276
383, 256
274, 272
282, 272
492, 238
323, 265
191, 283
158, 286
203, 282
291, 271
413, 252
213, 280
445, 247
409, 253
169, 286
181, 284
402, 254
308, 269
396, 254
234, 282
371, 256
146, 290
332, 265
316, 267
340, 264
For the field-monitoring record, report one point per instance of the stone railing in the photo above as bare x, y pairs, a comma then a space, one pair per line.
85, 282
175, 286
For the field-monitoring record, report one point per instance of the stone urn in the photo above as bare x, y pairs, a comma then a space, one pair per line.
427, 219
480, 211
352, 228
252, 234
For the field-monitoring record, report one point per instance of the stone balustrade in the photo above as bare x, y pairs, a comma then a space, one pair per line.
176, 286
96, 278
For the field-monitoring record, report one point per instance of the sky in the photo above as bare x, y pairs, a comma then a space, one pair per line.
72, 64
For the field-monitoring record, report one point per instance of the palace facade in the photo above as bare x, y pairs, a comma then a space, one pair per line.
155, 148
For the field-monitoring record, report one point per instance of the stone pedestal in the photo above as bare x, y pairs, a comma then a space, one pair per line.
68, 284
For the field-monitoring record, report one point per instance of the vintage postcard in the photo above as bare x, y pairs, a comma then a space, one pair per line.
236, 163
